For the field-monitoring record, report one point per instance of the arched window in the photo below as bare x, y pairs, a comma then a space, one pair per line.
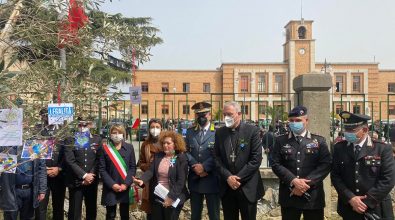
302, 32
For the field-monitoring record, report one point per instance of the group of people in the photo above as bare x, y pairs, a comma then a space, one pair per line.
220, 166
362, 170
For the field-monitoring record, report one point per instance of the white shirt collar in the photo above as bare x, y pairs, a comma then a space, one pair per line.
303, 134
206, 127
362, 142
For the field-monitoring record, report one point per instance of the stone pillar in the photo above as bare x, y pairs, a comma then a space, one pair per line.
313, 92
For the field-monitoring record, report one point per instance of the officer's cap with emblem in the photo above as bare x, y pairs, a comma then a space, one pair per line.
201, 107
298, 111
351, 121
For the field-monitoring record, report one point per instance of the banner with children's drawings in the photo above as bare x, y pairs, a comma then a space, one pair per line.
11, 127
38, 149
81, 140
6, 162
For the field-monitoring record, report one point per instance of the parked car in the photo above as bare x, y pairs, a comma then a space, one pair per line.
142, 132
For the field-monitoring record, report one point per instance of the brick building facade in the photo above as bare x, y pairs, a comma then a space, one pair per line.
359, 87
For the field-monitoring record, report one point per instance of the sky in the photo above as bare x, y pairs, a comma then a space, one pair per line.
202, 34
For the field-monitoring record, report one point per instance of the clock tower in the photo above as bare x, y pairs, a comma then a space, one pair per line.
299, 48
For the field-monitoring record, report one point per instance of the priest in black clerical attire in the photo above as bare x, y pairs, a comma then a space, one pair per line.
238, 152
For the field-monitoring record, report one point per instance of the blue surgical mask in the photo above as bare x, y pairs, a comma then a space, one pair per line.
351, 137
296, 127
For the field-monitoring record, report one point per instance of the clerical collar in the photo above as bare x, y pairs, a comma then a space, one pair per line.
236, 128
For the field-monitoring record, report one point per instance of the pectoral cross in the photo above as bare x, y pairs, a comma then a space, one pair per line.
232, 157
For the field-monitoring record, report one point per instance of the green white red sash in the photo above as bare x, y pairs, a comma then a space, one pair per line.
121, 167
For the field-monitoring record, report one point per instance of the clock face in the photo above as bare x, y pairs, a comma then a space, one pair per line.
302, 51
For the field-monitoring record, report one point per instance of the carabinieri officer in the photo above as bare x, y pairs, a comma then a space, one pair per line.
202, 179
363, 172
82, 172
301, 160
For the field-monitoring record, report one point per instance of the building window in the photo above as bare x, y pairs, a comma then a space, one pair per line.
186, 87
244, 109
144, 87
144, 109
165, 109
165, 87
262, 83
261, 109
339, 83
356, 109
302, 32
356, 83
391, 87
391, 110
338, 109
206, 87
278, 83
185, 109
244, 83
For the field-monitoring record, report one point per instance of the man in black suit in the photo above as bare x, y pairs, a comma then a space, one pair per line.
238, 152
363, 172
82, 172
301, 160
55, 174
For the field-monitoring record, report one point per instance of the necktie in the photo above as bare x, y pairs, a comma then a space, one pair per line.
357, 150
201, 135
298, 139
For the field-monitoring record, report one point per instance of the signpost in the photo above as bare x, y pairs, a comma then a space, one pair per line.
58, 113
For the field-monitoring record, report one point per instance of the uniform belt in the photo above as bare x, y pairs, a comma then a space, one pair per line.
24, 186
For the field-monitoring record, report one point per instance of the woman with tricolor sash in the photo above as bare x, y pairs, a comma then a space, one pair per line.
168, 171
148, 150
117, 166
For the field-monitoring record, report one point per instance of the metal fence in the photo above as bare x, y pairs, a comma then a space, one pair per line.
261, 109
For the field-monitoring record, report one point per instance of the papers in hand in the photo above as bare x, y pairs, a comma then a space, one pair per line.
162, 192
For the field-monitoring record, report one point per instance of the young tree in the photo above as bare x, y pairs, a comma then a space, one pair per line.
33, 31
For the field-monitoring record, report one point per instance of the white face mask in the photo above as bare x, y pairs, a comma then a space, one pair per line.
155, 132
84, 129
229, 121
116, 138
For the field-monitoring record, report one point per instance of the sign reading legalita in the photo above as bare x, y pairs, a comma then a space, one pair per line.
58, 113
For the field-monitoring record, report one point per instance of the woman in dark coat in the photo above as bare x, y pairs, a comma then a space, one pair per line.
116, 181
170, 169
148, 149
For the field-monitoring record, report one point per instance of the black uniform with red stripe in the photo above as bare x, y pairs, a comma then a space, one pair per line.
81, 161
309, 159
370, 173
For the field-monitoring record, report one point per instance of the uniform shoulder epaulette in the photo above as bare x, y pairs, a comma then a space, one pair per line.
283, 135
342, 141
378, 141
191, 128
317, 135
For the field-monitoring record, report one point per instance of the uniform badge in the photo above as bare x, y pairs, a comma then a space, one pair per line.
312, 147
287, 146
211, 144
373, 161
